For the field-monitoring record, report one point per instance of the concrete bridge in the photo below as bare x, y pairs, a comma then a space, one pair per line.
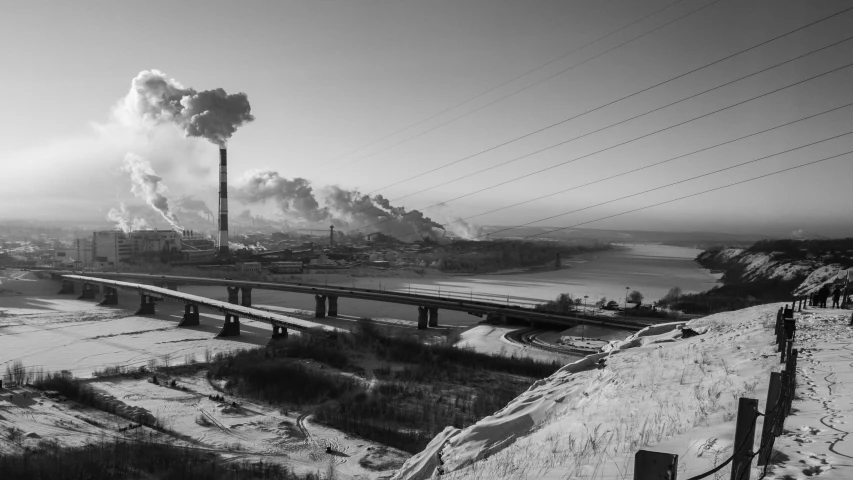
428, 306
90, 286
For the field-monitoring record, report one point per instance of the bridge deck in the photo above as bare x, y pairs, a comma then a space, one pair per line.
224, 307
456, 304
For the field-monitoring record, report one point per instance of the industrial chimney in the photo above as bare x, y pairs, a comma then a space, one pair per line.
331, 236
223, 202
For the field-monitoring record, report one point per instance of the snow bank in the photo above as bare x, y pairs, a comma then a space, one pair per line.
591, 416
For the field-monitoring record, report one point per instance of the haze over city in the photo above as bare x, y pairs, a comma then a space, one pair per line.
325, 79
426, 239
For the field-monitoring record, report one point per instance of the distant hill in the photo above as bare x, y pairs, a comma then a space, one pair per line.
700, 240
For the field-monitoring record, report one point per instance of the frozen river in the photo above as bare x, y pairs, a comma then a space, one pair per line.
651, 269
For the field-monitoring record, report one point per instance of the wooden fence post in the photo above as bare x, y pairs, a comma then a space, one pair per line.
747, 412
772, 409
786, 395
655, 466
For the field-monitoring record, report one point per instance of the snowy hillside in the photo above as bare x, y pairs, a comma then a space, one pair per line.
805, 276
656, 389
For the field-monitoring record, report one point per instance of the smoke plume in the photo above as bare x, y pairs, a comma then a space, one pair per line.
211, 114
149, 187
349, 209
125, 220
293, 197
188, 204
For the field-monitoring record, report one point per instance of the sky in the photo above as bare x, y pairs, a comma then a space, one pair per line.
333, 86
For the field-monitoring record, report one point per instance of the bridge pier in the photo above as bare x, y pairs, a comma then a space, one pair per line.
333, 306
279, 334
247, 296
110, 296
67, 287
190, 316
233, 294
422, 318
146, 305
87, 292
433, 316
320, 308
231, 328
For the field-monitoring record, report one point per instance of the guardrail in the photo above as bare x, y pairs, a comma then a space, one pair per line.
650, 465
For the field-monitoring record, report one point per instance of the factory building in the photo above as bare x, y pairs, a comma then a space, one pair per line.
112, 246
156, 241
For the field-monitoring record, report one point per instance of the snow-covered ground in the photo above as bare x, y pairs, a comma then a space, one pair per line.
654, 390
491, 340
253, 431
816, 440
54, 332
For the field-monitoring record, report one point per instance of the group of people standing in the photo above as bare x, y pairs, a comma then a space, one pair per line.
819, 298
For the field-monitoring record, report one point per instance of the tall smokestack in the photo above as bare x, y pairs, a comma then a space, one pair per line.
331, 236
223, 202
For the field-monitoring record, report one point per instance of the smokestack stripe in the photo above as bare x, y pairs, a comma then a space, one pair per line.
223, 201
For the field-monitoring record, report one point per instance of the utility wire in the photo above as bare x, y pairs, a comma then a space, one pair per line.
617, 100
614, 146
692, 195
670, 184
690, 97
651, 165
532, 85
540, 67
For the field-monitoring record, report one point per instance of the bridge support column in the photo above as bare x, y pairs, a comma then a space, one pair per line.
67, 287
87, 292
422, 318
279, 334
233, 294
110, 296
320, 309
247, 296
146, 305
190, 316
231, 327
333, 306
433, 316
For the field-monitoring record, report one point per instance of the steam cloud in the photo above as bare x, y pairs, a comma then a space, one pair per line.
188, 204
125, 221
149, 187
211, 114
296, 199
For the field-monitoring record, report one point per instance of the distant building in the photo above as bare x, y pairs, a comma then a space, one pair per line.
286, 267
110, 247
113, 246
146, 241
249, 267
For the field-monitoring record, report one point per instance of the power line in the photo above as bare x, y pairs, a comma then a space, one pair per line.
491, 167
617, 100
672, 184
470, 99
533, 84
691, 195
651, 165
617, 145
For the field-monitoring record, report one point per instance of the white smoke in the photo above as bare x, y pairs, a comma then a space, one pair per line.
149, 187
125, 221
297, 200
211, 114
